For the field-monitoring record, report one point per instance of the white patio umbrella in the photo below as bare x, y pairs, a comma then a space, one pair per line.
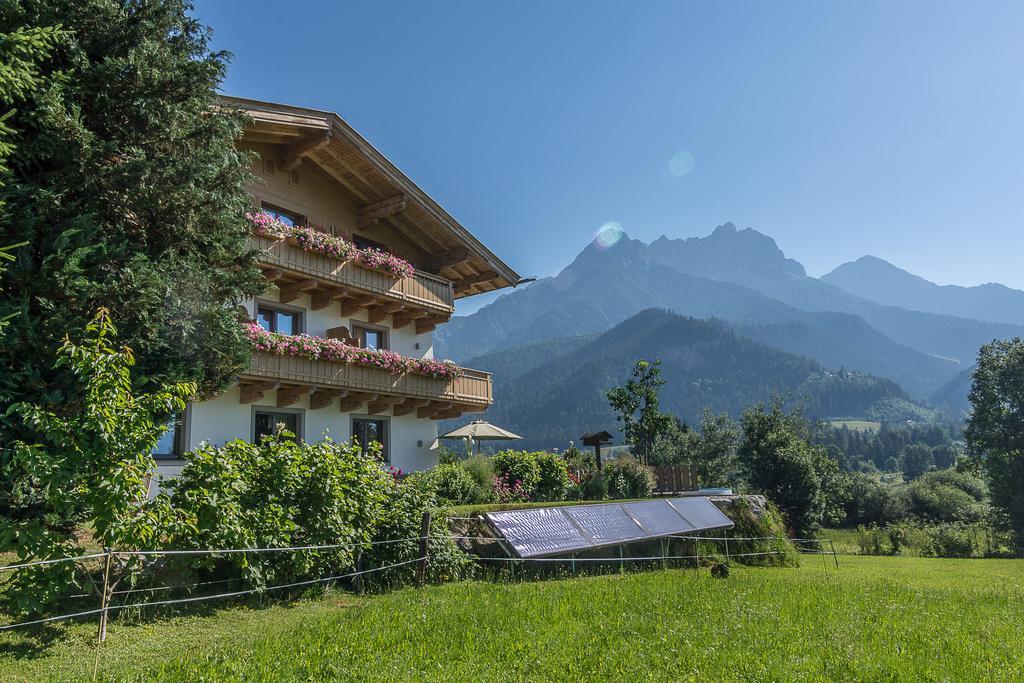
480, 430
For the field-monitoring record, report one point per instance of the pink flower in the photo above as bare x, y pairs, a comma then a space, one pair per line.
319, 348
311, 239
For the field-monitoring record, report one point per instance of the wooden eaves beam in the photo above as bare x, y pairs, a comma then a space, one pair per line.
371, 213
466, 283
453, 257
296, 151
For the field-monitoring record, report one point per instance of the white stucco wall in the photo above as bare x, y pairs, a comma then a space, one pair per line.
404, 340
224, 418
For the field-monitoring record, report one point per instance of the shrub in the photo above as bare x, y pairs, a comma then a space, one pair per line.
396, 539
481, 469
518, 466
627, 477
506, 491
948, 496
871, 540
593, 486
870, 501
764, 534
454, 485
900, 534
950, 540
553, 478
279, 493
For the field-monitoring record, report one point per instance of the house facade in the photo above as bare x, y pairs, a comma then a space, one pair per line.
361, 266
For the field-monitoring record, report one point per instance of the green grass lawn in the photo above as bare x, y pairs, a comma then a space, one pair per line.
875, 618
858, 425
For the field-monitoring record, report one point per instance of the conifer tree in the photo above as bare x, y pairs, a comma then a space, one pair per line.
128, 189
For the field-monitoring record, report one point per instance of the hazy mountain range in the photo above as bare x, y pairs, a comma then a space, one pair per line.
867, 316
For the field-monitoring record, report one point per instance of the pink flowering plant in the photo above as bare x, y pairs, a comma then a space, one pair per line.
310, 239
508, 491
319, 348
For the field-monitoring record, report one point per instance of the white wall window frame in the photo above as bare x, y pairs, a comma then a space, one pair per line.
300, 422
267, 305
353, 418
354, 325
182, 437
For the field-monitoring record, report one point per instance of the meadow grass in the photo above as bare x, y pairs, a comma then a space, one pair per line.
857, 425
875, 618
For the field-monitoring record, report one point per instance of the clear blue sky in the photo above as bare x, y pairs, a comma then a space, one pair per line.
840, 129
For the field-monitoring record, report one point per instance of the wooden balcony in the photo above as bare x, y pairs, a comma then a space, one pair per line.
359, 388
424, 300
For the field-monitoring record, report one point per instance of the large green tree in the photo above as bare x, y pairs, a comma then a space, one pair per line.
636, 406
776, 458
129, 190
995, 429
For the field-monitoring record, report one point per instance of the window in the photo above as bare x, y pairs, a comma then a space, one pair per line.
284, 215
370, 337
172, 441
268, 422
366, 431
363, 243
281, 320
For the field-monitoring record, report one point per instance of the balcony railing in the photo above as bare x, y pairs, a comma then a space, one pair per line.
423, 289
471, 390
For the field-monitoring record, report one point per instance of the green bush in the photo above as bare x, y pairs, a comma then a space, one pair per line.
591, 486
553, 478
454, 485
870, 501
900, 535
627, 477
764, 532
948, 496
950, 540
518, 466
481, 469
871, 540
396, 539
279, 493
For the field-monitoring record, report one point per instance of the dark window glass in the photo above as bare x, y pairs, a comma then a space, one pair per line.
170, 443
285, 216
364, 243
368, 338
274, 320
366, 431
268, 423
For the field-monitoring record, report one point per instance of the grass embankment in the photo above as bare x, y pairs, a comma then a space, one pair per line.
874, 618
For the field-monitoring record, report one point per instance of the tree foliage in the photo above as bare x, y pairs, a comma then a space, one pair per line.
776, 458
94, 468
127, 187
636, 407
711, 451
995, 429
22, 50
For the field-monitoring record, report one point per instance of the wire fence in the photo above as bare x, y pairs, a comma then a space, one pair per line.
113, 600
107, 593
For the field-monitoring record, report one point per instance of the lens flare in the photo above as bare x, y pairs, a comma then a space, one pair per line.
681, 163
608, 235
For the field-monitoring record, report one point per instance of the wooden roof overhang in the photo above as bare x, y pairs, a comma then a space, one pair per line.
382, 192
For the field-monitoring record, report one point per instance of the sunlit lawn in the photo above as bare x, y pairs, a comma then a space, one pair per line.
873, 619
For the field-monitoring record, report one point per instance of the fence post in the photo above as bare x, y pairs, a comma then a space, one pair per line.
105, 596
358, 583
421, 566
726, 545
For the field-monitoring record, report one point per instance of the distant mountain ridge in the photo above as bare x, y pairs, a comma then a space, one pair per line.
552, 392
746, 283
878, 280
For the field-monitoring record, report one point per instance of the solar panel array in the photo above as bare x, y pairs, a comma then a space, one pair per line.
559, 530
